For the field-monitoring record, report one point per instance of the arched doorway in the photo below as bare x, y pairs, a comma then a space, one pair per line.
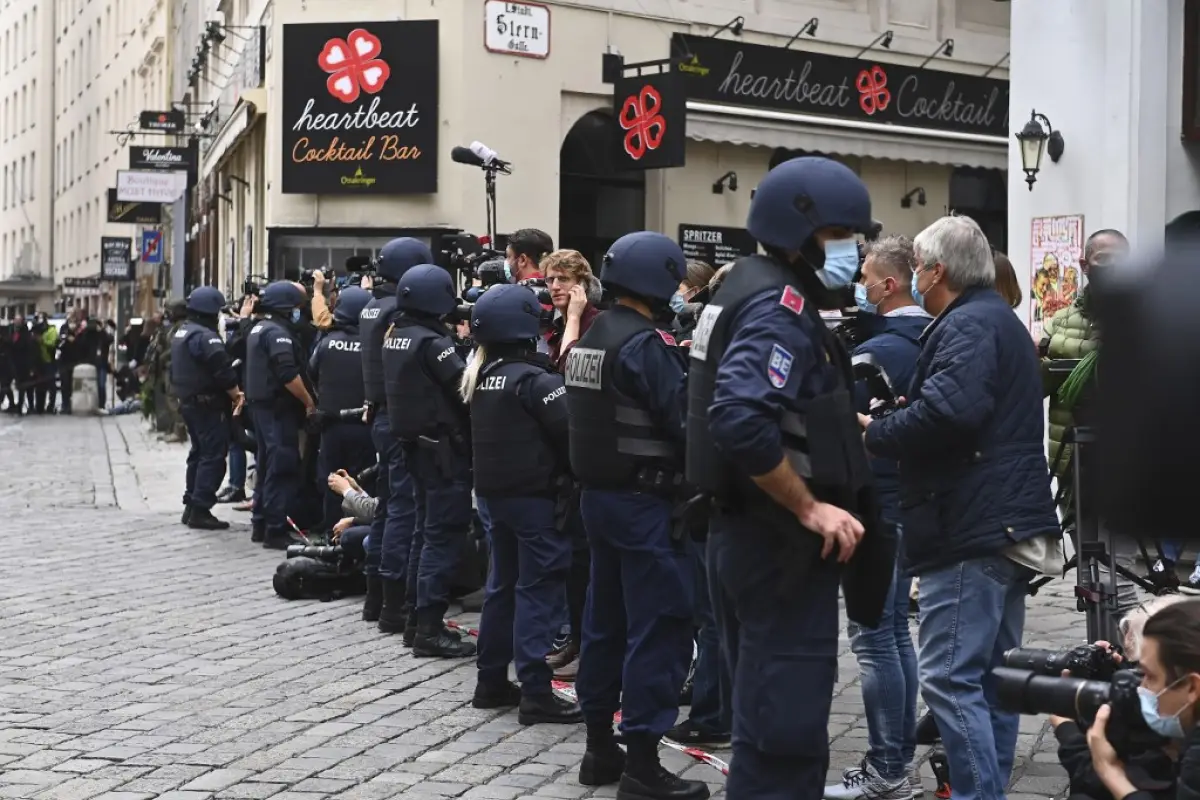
597, 204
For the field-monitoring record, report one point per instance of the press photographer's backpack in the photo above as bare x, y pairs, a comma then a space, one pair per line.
309, 579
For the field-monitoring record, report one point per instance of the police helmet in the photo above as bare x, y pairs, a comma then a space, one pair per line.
507, 313
206, 300
645, 263
281, 296
398, 255
802, 195
426, 289
350, 303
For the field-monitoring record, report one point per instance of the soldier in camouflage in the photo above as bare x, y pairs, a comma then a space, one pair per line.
168, 419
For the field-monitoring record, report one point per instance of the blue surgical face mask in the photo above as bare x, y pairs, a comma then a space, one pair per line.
1170, 727
295, 315
678, 302
508, 272
860, 298
841, 263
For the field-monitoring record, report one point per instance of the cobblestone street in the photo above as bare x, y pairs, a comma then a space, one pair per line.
139, 659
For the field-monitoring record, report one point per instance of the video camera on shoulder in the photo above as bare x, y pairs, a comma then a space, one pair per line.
253, 284
467, 253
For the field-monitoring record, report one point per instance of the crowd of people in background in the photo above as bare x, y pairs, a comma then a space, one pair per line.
38, 357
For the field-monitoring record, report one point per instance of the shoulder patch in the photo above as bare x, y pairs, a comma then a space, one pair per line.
779, 367
667, 338
792, 300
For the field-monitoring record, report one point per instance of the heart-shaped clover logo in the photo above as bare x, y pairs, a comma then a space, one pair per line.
354, 65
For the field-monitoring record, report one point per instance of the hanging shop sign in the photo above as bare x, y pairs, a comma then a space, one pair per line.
651, 117
150, 185
166, 158
116, 258
133, 213
516, 29
866, 90
716, 246
162, 121
360, 108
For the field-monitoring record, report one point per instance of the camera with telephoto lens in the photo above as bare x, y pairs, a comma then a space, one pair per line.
330, 554
357, 268
1087, 661
467, 253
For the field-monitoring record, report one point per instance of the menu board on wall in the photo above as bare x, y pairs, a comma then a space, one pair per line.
714, 245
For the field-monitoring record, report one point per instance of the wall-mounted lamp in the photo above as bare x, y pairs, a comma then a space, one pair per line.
734, 26
945, 48
810, 28
728, 178
884, 40
907, 200
1035, 141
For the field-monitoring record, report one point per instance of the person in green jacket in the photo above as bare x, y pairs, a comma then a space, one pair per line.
46, 391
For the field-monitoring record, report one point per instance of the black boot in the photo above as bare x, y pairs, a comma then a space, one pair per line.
505, 695
410, 625
373, 603
187, 515
258, 532
279, 540
646, 779
434, 641
203, 519
603, 761
392, 618
231, 494
548, 708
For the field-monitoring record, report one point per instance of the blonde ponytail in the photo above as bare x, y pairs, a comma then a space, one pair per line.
470, 377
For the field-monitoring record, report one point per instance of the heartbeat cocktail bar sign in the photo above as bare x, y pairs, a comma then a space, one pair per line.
360, 108
862, 89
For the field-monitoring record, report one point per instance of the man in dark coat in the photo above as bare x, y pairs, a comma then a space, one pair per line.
23, 358
975, 502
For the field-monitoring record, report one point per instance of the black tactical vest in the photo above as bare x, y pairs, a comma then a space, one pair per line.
416, 404
512, 455
823, 445
612, 436
340, 382
190, 376
261, 384
373, 323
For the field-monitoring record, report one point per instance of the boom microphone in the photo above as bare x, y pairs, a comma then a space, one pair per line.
489, 157
464, 155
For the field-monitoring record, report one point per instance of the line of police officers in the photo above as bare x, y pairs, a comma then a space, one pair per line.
763, 429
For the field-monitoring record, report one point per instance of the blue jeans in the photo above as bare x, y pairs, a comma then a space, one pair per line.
102, 383
708, 712
237, 467
888, 664
971, 613
1173, 551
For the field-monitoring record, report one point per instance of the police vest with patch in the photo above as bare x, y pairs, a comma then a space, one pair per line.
417, 406
513, 457
191, 377
261, 384
823, 445
340, 381
612, 435
373, 323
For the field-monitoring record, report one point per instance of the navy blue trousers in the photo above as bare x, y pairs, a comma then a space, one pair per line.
392, 529
208, 437
344, 445
278, 462
443, 499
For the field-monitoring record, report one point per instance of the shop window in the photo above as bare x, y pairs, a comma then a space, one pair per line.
982, 195
1191, 71
299, 253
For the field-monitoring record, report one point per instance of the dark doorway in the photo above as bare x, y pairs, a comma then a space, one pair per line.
982, 195
596, 203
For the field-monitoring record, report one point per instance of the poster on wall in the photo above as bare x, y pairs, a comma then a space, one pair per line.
651, 119
1055, 247
360, 108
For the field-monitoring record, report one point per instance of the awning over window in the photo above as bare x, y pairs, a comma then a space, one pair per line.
252, 103
710, 122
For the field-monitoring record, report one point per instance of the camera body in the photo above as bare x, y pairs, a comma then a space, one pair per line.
467, 253
1087, 661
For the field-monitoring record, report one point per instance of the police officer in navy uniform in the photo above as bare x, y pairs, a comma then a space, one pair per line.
395, 514
625, 382
206, 384
520, 444
771, 437
421, 373
336, 370
279, 401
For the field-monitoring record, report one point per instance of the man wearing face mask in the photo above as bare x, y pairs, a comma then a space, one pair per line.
771, 436
979, 519
523, 256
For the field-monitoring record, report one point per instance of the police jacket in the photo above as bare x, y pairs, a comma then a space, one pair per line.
625, 379
421, 375
200, 366
336, 370
274, 357
519, 427
373, 324
973, 474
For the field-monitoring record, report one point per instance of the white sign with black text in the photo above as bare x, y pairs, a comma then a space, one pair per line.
518, 29
150, 185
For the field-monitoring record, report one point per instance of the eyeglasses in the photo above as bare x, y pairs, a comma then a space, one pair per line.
553, 279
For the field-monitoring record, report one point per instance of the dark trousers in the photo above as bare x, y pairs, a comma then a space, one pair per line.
579, 575
208, 436
344, 445
637, 626
66, 373
529, 563
41, 388
780, 634
443, 500
712, 689
395, 513
277, 436
381, 439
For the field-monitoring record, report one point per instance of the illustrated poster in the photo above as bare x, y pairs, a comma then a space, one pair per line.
1055, 247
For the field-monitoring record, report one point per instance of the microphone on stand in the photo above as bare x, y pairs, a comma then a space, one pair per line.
480, 155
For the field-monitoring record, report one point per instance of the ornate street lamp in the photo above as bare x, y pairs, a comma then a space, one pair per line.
1037, 140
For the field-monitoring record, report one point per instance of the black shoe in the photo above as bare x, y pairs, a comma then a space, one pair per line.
410, 627
506, 695
392, 618
279, 541
231, 494
438, 644
602, 765
258, 532
687, 733
548, 708
685, 694
203, 519
186, 517
661, 784
373, 602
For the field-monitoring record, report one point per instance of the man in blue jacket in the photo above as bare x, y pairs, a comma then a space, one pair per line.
975, 500
893, 321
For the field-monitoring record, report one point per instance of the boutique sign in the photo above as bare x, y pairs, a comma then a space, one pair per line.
360, 108
779, 79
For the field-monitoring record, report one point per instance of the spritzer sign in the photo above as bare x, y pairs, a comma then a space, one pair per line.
360, 108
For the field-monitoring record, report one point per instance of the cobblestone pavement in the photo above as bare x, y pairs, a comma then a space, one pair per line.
139, 659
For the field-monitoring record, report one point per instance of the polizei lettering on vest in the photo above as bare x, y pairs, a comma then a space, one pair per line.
397, 344
493, 383
557, 393
585, 368
341, 344
442, 356
369, 313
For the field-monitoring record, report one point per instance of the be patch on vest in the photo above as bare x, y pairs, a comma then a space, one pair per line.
792, 300
780, 366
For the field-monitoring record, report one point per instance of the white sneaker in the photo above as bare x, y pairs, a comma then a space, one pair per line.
1193, 583
864, 783
914, 781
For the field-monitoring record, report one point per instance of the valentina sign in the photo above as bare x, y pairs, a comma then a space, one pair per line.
160, 158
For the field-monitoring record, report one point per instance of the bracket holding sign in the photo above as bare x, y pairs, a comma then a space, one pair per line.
650, 109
